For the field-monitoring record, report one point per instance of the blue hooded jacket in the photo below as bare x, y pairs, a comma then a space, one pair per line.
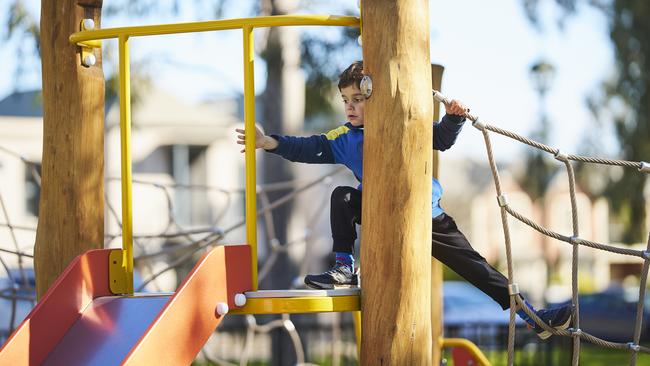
344, 145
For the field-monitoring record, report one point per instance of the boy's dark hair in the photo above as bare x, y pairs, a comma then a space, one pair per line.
352, 75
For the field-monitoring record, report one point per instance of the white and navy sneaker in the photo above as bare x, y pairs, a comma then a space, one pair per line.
341, 275
558, 318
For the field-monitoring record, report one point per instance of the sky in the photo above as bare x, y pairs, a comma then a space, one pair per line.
487, 51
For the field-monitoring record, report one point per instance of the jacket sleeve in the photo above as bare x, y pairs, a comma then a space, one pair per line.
446, 131
314, 149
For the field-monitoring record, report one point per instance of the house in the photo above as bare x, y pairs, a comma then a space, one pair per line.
21, 144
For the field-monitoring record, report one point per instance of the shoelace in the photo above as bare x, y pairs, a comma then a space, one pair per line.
336, 269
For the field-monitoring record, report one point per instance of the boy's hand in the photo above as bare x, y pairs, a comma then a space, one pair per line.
456, 107
261, 140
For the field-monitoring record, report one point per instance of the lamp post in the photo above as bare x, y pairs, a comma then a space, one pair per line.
542, 74
539, 170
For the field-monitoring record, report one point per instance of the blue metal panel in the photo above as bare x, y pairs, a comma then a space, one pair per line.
107, 330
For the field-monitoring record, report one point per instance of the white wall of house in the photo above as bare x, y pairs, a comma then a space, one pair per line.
22, 136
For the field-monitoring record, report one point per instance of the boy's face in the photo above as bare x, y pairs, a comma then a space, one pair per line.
353, 101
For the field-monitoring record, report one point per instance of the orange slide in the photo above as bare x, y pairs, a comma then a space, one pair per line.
80, 322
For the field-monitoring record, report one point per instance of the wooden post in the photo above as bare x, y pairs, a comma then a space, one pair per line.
71, 211
397, 168
436, 267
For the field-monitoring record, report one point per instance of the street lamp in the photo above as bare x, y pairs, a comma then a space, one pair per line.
538, 171
542, 74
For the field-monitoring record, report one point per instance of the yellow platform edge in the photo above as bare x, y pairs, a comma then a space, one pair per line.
298, 305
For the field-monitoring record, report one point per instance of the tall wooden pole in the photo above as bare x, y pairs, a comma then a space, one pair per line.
71, 218
397, 168
436, 267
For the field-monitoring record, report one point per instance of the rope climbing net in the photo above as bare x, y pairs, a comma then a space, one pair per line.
574, 239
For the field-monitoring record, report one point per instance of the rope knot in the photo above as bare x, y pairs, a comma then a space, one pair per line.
513, 289
644, 167
478, 124
561, 156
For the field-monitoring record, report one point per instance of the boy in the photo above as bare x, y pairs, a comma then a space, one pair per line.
344, 145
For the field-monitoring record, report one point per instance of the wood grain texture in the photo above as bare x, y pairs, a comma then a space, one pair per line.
396, 249
71, 218
436, 266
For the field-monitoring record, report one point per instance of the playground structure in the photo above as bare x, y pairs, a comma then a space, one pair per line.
118, 326
222, 276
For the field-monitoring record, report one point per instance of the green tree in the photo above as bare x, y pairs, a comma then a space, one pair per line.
625, 101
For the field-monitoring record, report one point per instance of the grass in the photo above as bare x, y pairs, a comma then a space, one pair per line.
589, 355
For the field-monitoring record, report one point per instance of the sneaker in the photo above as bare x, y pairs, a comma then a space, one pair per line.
558, 318
340, 275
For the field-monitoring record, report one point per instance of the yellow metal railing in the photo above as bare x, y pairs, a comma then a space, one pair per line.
468, 346
121, 265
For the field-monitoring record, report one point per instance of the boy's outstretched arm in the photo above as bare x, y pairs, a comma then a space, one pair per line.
261, 140
314, 149
446, 132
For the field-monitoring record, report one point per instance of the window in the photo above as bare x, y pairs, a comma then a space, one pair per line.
32, 188
186, 165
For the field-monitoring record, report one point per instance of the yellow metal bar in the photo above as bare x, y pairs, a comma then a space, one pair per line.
121, 266
91, 44
356, 317
215, 25
299, 305
125, 141
361, 19
467, 345
249, 123
121, 269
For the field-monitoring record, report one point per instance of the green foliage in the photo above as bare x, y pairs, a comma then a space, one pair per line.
21, 23
623, 101
630, 34
323, 60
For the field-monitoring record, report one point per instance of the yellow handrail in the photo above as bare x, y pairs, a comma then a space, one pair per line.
251, 165
468, 346
125, 141
215, 25
121, 273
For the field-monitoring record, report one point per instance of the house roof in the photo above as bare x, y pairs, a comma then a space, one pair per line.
22, 104
156, 107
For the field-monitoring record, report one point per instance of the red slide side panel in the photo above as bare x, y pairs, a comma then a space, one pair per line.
462, 357
190, 317
85, 278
